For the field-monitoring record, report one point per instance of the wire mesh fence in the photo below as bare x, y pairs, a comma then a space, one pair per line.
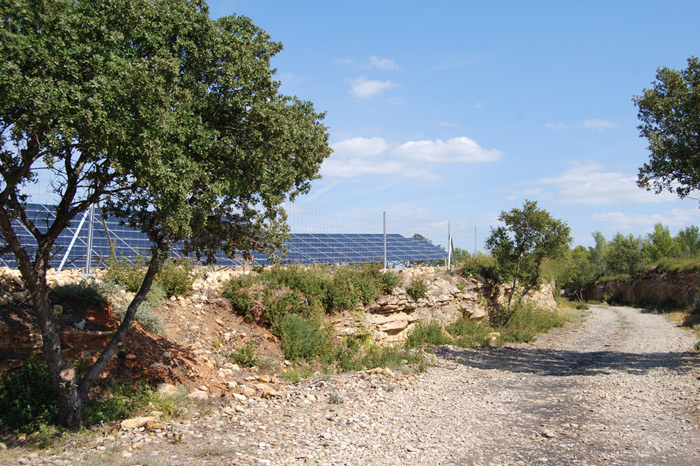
318, 235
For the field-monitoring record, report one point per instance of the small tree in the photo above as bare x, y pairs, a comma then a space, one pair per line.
688, 240
669, 113
626, 255
661, 244
528, 237
167, 117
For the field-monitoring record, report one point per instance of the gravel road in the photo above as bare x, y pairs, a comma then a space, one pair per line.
621, 387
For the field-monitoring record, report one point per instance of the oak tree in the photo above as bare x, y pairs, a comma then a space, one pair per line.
161, 114
670, 120
528, 236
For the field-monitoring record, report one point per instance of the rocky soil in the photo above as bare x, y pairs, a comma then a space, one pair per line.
620, 387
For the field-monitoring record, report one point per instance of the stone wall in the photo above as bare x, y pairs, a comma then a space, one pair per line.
392, 318
655, 288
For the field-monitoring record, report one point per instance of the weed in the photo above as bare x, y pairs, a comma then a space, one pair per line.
176, 277
469, 333
417, 289
528, 321
390, 388
301, 338
27, 398
246, 356
84, 295
335, 399
431, 333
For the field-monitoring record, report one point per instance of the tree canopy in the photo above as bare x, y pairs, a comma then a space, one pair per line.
670, 120
166, 117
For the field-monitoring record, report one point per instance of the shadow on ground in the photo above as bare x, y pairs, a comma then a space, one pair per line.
566, 363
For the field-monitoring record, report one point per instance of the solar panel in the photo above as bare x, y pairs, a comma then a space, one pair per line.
302, 248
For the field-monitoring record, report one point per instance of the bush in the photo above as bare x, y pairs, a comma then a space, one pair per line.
125, 274
84, 295
247, 356
431, 333
176, 278
123, 400
480, 264
27, 398
527, 322
301, 338
390, 280
469, 333
417, 289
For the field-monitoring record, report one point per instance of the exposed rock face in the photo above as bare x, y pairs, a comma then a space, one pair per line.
392, 318
661, 288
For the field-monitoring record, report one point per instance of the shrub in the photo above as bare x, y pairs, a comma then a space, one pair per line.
246, 356
125, 274
176, 278
390, 280
479, 264
27, 398
417, 289
84, 295
123, 400
469, 333
431, 333
301, 338
527, 322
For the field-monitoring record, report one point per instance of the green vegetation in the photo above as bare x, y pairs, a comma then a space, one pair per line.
27, 398
417, 289
524, 326
85, 294
669, 113
246, 356
154, 111
529, 236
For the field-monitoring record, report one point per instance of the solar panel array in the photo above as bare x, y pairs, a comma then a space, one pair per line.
303, 248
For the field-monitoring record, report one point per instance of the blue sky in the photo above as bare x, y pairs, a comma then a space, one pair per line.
456, 111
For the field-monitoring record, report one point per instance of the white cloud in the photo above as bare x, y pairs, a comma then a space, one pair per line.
588, 183
674, 218
352, 167
359, 156
593, 123
365, 88
383, 63
557, 126
597, 124
359, 147
461, 149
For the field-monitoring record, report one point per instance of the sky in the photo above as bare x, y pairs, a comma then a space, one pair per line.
456, 111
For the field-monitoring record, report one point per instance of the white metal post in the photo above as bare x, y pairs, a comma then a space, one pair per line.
88, 252
385, 258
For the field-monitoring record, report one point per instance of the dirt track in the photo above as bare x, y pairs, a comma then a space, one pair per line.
619, 388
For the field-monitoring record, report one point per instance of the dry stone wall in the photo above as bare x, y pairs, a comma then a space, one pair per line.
678, 289
392, 318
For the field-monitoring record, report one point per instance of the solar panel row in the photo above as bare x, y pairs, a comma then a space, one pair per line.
303, 248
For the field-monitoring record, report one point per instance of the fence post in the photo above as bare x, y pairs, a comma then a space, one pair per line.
449, 246
88, 255
385, 258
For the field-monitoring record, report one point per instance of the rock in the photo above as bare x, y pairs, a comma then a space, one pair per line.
239, 397
547, 433
198, 395
3, 446
267, 391
246, 391
154, 425
167, 390
136, 422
